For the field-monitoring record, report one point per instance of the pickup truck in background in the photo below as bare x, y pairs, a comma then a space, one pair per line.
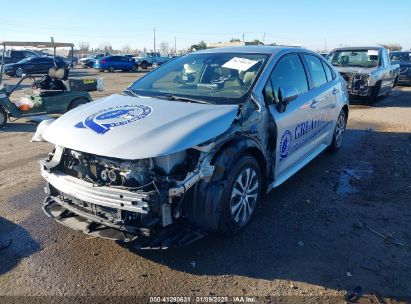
150, 59
14, 56
367, 71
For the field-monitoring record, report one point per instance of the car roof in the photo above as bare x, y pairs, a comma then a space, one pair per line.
36, 44
400, 52
260, 49
355, 48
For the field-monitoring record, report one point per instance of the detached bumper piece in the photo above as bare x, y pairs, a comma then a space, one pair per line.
176, 235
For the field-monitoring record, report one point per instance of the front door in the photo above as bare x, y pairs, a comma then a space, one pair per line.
292, 124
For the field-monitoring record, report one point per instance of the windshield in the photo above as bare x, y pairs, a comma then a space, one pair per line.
400, 56
360, 58
216, 78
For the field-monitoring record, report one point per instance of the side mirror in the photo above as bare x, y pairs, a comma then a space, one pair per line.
285, 96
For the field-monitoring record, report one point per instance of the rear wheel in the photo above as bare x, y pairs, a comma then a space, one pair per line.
339, 131
111, 69
101, 70
242, 194
77, 102
3, 117
19, 72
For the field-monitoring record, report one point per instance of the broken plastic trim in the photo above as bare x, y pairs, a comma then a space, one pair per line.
177, 235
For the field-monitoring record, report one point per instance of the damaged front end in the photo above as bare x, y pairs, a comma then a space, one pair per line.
357, 83
124, 200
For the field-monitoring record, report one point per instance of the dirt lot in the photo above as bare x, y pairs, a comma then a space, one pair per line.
343, 221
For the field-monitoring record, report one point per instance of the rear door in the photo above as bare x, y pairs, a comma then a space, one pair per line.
289, 72
324, 90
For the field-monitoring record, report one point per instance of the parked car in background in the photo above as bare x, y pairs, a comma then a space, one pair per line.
150, 59
115, 62
14, 56
404, 60
199, 140
89, 61
367, 70
34, 65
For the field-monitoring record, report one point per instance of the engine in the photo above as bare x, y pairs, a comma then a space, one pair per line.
126, 173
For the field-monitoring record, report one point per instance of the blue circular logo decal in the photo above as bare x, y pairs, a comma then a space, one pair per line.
104, 120
285, 144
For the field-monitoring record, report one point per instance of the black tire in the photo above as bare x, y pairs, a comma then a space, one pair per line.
111, 69
134, 68
339, 131
18, 72
77, 102
395, 82
234, 219
101, 70
144, 65
3, 117
375, 91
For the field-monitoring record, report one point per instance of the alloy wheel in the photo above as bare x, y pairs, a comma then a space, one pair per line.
340, 129
244, 196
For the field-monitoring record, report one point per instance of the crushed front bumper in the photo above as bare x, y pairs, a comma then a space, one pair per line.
102, 196
177, 235
82, 206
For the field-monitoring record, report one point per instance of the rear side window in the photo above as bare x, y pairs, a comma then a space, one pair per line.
289, 72
330, 75
316, 70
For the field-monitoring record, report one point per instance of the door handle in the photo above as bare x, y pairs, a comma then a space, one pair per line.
335, 91
314, 104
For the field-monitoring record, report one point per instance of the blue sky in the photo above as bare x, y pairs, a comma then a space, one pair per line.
309, 23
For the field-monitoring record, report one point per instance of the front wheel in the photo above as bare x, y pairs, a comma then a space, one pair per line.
243, 192
375, 91
134, 68
101, 70
3, 117
144, 65
111, 69
19, 72
339, 131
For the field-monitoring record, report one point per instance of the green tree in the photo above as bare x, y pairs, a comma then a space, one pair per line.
199, 46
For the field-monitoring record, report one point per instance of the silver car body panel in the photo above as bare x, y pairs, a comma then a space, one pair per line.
166, 127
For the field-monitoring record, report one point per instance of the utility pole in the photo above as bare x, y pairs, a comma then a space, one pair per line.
243, 37
263, 38
175, 45
154, 40
325, 44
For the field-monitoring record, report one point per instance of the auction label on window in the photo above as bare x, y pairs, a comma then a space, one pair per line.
240, 64
372, 53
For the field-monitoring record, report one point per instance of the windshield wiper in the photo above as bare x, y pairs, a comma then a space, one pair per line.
187, 99
131, 92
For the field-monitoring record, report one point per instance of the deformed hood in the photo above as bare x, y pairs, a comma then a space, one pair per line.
357, 70
134, 128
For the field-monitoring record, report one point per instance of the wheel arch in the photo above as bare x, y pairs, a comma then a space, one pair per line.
232, 149
88, 98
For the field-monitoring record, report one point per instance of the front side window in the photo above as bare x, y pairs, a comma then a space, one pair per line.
289, 73
224, 78
316, 70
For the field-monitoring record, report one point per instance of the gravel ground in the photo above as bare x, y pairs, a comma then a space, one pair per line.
343, 221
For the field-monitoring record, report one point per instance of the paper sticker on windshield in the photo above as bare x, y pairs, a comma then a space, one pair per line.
240, 64
372, 53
